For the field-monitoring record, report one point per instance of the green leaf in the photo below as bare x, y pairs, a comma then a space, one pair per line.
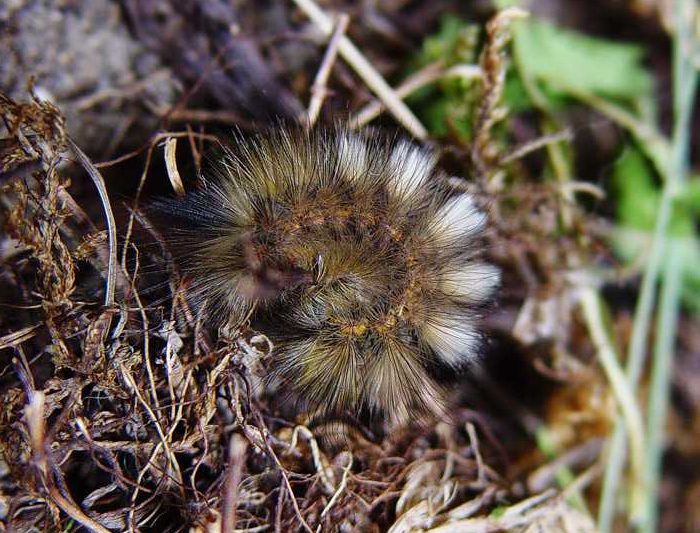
690, 197
498, 511
572, 62
636, 192
637, 197
448, 106
455, 42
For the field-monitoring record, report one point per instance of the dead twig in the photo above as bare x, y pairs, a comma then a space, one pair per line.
366, 71
521, 151
318, 89
341, 487
425, 76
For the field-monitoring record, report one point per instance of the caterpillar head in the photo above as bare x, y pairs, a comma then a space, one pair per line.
361, 262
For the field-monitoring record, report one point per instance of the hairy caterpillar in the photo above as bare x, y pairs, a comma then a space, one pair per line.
360, 261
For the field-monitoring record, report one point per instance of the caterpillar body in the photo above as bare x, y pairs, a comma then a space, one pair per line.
356, 258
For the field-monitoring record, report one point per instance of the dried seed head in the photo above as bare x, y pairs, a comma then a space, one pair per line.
362, 264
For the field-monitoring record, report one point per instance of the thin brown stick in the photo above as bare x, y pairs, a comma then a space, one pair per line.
471, 431
341, 487
283, 473
164, 440
425, 76
155, 139
521, 151
205, 115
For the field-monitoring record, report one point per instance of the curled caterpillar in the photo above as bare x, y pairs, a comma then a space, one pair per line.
361, 263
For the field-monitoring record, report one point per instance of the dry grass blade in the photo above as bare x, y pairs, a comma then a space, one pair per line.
99, 182
18, 337
171, 166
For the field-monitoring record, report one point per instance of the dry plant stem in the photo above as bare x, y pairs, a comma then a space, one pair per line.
155, 139
236, 460
35, 419
200, 461
109, 217
278, 508
132, 279
288, 485
515, 517
106, 447
471, 431
366, 71
174, 403
425, 76
562, 172
582, 481
142, 181
584, 187
554, 149
565, 135
144, 322
16, 338
582, 454
204, 116
341, 487
319, 88
131, 515
75, 512
319, 460
563, 473
196, 154
137, 197
161, 434
124, 92
493, 67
